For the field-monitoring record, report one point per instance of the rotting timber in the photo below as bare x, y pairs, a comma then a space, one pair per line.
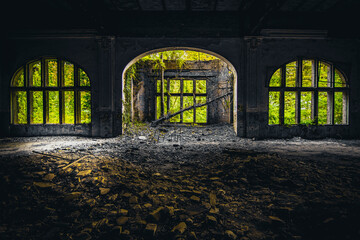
209, 185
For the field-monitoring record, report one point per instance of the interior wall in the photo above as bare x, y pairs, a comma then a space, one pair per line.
266, 55
104, 58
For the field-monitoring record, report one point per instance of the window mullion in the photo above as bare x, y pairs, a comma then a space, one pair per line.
298, 92
194, 99
181, 98
61, 92
45, 100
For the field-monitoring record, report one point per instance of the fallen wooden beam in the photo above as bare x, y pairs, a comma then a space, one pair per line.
78, 160
170, 115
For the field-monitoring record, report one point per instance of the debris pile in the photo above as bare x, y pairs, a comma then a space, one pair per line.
135, 193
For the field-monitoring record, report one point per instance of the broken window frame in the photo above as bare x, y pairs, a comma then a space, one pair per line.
331, 90
168, 94
45, 89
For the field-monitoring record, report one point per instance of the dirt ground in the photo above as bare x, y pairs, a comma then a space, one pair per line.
179, 183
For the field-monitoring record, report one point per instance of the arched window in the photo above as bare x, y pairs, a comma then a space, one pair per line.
50, 91
308, 91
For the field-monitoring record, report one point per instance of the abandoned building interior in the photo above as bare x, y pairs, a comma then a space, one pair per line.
180, 119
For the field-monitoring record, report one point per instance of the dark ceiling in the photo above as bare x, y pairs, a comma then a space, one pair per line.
184, 18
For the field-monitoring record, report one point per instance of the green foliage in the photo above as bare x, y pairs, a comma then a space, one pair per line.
338, 111
18, 80
289, 108
52, 73
291, 74
36, 115
306, 108
69, 75
307, 73
274, 108
323, 108
275, 80
20, 107
69, 107
324, 75
53, 106
83, 78
85, 101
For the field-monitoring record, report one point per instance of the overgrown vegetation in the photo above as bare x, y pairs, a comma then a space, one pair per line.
52, 109
157, 63
307, 96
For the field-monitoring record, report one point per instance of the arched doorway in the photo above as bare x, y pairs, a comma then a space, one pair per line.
167, 81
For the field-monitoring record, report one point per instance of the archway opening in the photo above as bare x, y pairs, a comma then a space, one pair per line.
179, 87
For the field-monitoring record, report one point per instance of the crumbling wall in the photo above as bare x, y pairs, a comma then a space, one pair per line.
218, 78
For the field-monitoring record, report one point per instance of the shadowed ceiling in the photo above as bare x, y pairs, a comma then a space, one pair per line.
201, 18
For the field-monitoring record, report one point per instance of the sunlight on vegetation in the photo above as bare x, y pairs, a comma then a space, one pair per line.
18, 80
69, 107
53, 107
274, 107
289, 108
176, 90
275, 80
291, 74
306, 116
68, 74
323, 108
37, 107
52, 68
19, 107
55, 99
338, 113
324, 75
85, 101
328, 101
308, 73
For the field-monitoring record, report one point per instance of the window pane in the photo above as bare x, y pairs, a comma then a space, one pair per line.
275, 80
308, 73
324, 75
158, 86
52, 72
291, 74
188, 116
36, 107
69, 107
339, 108
289, 108
201, 112
200, 86
19, 107
85, 101
174, 86
339, 79
274, 108
18, 80
188, 86
175, 107
68, 74
35, 74
158, 107
323, 108
53, 107
306, 115
84, 79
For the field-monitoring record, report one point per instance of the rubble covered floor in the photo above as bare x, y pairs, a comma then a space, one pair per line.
179, 183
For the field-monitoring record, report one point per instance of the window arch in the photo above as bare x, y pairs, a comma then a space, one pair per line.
50, 91
308, 91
